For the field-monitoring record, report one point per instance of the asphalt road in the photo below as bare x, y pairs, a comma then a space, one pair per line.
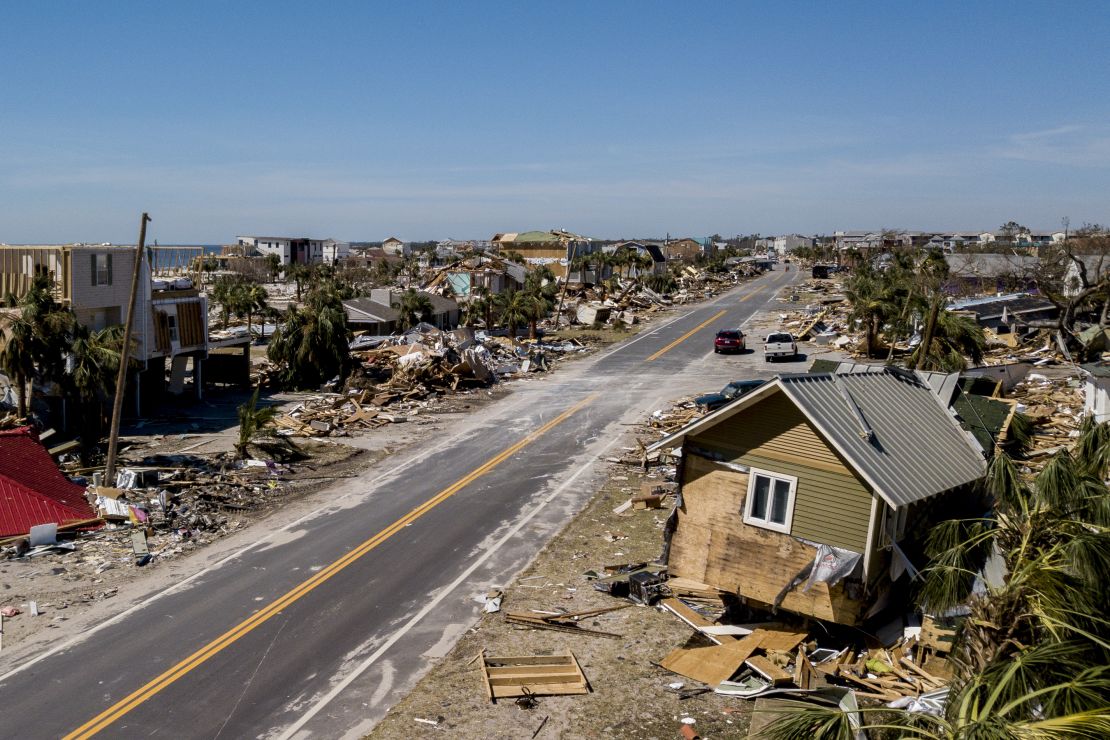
315, 629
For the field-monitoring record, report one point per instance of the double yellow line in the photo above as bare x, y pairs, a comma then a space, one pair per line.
686, 336
134, 699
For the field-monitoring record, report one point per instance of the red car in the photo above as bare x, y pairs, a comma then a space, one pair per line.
729, 340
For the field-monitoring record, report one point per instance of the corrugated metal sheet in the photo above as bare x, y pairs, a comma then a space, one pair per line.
32, 489
891, 429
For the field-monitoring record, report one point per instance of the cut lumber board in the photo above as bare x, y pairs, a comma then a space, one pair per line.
524, 675
711, 665
762, 665
692, 618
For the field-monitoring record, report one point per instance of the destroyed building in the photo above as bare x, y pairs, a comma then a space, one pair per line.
377, 313
554, 249
814, 492
32, 490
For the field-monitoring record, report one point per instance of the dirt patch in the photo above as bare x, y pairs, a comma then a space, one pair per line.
631, 697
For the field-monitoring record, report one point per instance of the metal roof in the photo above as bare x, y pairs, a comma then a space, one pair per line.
32, 489
893, 430
889, 426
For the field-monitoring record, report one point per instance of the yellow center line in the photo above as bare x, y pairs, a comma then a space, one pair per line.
140, 695
753, 293
686, 336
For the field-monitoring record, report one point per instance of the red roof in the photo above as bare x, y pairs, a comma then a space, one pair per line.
32, 489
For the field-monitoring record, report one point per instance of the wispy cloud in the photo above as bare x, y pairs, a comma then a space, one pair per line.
1068, 145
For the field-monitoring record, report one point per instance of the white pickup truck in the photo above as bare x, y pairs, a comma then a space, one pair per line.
778, 345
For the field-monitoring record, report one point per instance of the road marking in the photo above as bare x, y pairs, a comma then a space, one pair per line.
753, 293
140, 695
686, 336
291, 732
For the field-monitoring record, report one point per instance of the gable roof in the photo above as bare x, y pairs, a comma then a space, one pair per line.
890, 427
361, 310
32, 489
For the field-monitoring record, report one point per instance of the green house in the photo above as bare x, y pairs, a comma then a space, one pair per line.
813, 493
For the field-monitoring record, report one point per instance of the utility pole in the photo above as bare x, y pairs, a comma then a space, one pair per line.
566, 281
124, 357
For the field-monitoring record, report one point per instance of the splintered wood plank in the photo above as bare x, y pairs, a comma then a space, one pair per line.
762, 665
692, 618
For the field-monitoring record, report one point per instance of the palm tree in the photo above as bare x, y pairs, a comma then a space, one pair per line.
947, 340
91, 382
300, 275
516, 308
15, 358
273, 266
253, 298
312, 345
251, 421
875, 298
36, 339
413, 307
480, 306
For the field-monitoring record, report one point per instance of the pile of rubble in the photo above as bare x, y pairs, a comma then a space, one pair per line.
822, 316
1054, 406
398, 377
775, 657
597, 304
151, 513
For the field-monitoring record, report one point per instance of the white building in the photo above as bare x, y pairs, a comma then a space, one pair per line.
335, 251
291, 250
393, 245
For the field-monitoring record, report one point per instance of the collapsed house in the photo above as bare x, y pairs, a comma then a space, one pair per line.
32, 489
814, 492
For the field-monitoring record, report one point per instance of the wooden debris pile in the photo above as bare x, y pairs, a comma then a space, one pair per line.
752, 659
1055, 408
336, 414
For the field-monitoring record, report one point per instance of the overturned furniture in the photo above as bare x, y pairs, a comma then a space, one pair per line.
812, 493
532, 675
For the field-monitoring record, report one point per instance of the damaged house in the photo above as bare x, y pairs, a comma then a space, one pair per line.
32, 489
814, 492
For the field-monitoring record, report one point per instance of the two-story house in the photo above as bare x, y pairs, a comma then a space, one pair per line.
94, 281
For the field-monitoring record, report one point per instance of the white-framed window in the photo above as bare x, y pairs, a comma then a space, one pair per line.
770, 500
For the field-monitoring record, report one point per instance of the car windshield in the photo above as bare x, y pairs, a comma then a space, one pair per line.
729, 334
780, 338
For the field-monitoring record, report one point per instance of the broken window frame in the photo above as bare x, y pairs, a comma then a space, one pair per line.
765, 522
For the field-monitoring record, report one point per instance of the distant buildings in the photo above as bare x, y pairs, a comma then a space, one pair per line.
293, 250
393, 245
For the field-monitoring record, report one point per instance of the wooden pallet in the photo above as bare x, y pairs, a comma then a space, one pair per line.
532, 675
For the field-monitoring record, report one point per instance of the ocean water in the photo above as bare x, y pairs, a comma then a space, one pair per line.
168, 256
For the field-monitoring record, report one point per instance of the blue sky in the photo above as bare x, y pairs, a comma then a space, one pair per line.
431, 120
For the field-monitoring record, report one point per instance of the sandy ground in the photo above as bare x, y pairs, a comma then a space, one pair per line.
631, 697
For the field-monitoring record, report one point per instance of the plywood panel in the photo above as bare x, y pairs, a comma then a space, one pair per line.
712, 545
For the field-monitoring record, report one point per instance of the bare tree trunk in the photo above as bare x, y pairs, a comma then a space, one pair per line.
21, 394
927, 336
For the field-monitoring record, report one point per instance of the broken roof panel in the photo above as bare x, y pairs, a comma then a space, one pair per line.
32, 489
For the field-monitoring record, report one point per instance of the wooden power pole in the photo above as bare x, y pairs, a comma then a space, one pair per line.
124, 357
